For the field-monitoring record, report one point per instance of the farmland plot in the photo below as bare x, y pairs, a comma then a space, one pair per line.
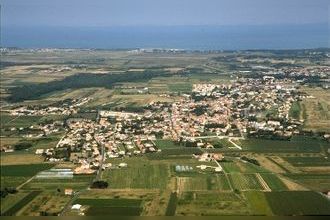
245, 181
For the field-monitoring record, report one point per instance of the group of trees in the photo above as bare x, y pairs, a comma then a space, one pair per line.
4, 192
99, 184
250, 160
22, 146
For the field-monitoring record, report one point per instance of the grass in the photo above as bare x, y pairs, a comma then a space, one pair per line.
18, 121
51, 202
24, 170
172, 203
258, 203
273, 182
77, 182
203, 182
211, 203
167, 144
11, 199
140, 173
109, 202
14, 175
19, 205
180, 87
245, 181
295, 145
112, 207
230, 167
13, 181
20, 157
308, 161
318, 182
113, 211
294, 111
298, 203
315, 111
175, 153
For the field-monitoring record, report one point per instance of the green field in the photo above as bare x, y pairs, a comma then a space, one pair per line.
18, 121
308, 161
23, 202
295, 110
258, 203
24, 170
180, 87
175, 153
171, 206
298, 203
11, 200
296, 145
273, 181
203, 182
245, 181
77, 182
210, 203
139, 174
113, 207
167, 144
109, 202
318, 182
230, 167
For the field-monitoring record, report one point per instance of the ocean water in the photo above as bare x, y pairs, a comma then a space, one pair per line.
180, 37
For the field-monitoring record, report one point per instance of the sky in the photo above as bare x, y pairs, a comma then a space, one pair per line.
107, 13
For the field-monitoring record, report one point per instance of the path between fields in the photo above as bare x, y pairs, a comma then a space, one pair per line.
233, 143
29, 180
226, 174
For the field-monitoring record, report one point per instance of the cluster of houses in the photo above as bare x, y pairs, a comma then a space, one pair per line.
246, 107
66, 107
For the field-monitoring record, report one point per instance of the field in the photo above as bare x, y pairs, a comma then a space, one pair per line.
274, 183
113, 207
20, 204
11, 200
258, 203
318, 182
22, 157
203, 182
138, 174
175, 153
165, 144
24, 170
245, 181
296, 145
46, 203
316, 110
295, 110
308, 161
78, 182
14, 175
298, 203
210, 203
237, 166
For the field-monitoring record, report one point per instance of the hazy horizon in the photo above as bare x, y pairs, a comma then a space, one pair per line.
185, 24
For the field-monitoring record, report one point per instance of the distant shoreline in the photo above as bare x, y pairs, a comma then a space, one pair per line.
200, 38
154, 50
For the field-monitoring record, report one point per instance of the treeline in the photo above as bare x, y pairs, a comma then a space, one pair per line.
82, 80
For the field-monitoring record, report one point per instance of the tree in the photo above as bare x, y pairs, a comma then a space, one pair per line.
99, 184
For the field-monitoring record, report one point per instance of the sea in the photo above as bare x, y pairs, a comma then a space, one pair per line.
239, 37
